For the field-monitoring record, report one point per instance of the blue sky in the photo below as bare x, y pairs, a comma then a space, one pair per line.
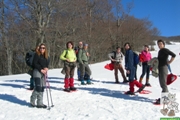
164, 14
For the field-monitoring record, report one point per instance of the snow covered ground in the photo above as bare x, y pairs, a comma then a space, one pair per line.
103, 100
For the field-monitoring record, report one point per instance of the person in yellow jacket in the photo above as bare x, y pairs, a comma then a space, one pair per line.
69, 58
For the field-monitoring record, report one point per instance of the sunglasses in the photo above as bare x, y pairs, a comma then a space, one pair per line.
42, 48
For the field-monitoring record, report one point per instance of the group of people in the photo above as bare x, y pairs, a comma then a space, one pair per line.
72, 58
80, 57
117, 59
144, 57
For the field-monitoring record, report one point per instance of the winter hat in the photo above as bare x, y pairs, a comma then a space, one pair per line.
85, 44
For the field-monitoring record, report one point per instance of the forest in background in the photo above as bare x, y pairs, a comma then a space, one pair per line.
103, 24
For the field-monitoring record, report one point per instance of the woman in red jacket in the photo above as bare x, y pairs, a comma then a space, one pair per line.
145, 56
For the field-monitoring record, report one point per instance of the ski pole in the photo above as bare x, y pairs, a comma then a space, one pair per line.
47, 94
52, 105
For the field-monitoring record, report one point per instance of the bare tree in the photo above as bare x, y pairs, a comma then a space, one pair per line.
5, 42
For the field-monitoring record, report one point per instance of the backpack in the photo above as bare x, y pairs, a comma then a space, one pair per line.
113, 57
136, 58
29, 58
76, 51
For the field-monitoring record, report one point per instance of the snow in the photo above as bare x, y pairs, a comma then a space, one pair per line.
100, 101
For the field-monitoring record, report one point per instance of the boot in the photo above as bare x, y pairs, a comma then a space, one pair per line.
171, 113
66, 83
33, 98
89, 82
131, 86
82, 82
67, 90
130, 93
125, 81
41, 106
140, 80
73, 88
71, 82
147, 83
40, 100
117, 81
164, 111
139, 85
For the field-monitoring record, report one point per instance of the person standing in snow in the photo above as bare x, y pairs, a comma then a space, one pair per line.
69, 58
83, 58
163, 55
117, 57
145, 57
40, 69
80, 46
130, 70
30, 72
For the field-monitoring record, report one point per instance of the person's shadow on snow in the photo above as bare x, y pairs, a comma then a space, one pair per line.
12, 85
13, 99
115, 94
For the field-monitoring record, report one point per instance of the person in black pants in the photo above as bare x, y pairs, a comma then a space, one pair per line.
145, 57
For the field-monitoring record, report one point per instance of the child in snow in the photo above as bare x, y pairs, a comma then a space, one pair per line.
130, 70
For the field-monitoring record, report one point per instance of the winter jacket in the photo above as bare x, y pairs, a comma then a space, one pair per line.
129, 59
68, 54
40, 62
146, 56
163, 56
82, 56
118, 56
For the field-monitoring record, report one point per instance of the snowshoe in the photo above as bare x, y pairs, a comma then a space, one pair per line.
67, 90
73, 88
141, 88
157, 102
148, 85
129, 93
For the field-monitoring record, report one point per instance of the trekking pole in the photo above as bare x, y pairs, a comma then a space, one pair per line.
47, 94
52, 105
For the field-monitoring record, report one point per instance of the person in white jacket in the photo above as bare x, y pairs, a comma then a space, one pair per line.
116, 58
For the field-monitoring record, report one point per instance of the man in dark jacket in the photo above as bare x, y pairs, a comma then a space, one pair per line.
130, 70
163, 55
83, 58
